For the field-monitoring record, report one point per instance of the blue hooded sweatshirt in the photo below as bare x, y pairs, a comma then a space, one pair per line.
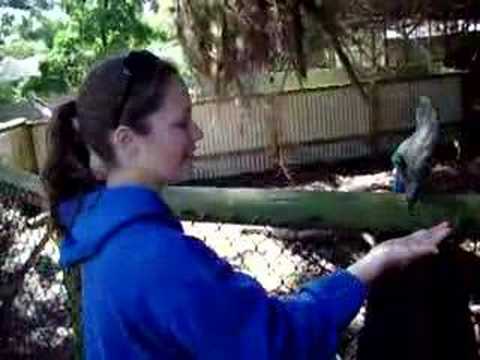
151, 292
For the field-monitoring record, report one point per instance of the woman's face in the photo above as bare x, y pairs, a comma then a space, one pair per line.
165, 153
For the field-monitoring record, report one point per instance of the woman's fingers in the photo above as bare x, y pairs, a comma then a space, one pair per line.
442, 226
427, 241
441, 231
434, 234
401, 251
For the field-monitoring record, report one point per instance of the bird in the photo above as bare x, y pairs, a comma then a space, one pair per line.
412, 159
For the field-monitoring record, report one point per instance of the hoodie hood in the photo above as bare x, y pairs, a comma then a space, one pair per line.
90, 219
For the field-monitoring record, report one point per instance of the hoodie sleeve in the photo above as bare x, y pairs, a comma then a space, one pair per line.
219, 313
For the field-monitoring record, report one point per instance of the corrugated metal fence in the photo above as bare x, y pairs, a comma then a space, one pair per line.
325, 124
315, 125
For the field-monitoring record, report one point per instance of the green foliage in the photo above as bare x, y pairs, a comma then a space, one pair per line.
66, 64
95, 31
111, 27
21, 49
25, 31
6, 26
12, 91
28, 4
39, 27
7, 93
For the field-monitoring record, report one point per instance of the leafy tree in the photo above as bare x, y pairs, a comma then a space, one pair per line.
6, 26
25, 31
30, 26
96, 29
28, 4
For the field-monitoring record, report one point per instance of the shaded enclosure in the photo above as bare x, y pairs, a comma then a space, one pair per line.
38, 324
430, 311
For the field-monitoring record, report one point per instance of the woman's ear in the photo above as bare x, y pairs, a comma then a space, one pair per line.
122, 136
124, 143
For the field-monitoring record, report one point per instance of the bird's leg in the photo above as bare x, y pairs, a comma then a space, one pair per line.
413, 194
411, 208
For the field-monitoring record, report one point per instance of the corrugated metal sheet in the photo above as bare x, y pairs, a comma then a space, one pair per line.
229, 126
324, 115
397, 102
328, 124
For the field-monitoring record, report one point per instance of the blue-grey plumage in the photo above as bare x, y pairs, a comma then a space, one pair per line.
412, 160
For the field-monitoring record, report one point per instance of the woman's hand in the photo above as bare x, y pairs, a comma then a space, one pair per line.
399, 252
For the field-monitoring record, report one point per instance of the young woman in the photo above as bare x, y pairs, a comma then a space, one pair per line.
148, 290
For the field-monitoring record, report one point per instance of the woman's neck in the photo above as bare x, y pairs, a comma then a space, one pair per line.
118, 177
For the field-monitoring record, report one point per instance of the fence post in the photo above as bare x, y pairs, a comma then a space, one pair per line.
374, 119
19, 145
38, 130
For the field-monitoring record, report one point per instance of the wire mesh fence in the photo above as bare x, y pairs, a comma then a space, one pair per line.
34, 318
36, 314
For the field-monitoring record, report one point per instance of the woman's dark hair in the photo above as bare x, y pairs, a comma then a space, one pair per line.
121, 90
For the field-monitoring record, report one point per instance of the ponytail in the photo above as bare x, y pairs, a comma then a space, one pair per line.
67, 170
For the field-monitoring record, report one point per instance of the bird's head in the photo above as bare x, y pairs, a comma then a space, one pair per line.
425, 113
399, 163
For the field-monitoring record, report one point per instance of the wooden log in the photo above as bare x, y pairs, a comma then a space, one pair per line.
362, 211
303, 209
